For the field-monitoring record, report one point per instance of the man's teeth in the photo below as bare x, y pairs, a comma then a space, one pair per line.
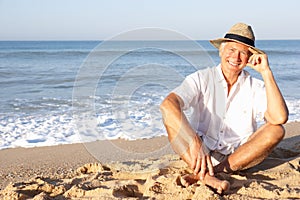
234, 64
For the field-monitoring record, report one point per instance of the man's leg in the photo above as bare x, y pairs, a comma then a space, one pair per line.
255, 150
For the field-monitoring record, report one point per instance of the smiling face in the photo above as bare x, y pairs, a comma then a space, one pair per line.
234, 57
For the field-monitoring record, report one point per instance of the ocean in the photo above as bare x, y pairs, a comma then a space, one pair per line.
62, 92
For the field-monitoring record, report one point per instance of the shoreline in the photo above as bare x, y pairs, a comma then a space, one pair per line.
20, 165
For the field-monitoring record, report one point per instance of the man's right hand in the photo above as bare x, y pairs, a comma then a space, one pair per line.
198, 158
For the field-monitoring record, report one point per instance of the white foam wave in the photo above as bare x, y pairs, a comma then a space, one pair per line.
31, 131
140, 119
294, 109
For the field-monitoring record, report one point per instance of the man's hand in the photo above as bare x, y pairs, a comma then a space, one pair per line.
198, 158
259, 62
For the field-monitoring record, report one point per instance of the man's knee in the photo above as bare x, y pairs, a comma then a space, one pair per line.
280, 132
276, 133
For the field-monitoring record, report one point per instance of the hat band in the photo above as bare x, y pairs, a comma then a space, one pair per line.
240, 38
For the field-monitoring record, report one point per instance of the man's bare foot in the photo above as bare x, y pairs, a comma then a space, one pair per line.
189, 179
219, 185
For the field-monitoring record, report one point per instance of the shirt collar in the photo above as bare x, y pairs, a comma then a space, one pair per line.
243, 75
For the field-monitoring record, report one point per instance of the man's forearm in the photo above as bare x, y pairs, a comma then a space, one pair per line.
180, 133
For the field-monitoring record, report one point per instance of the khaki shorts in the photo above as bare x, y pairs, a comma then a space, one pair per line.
217, 157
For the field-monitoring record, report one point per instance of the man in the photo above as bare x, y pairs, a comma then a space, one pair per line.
222, 133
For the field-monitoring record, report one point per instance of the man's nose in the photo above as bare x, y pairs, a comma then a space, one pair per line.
236, 54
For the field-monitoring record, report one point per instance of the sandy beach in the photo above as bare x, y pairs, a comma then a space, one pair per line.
141, 169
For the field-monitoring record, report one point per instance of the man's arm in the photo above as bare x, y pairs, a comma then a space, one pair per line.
183, 138
277, 111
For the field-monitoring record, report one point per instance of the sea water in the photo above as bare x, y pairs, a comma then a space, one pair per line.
60, 92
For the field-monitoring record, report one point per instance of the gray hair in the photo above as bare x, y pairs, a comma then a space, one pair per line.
222, 45
221, 48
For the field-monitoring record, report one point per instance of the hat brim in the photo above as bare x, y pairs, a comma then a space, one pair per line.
217, 42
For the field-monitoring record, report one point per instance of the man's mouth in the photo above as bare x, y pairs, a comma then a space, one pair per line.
233, 64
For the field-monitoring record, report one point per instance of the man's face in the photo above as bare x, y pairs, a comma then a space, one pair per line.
234, 57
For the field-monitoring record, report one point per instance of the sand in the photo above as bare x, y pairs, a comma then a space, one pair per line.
142, 169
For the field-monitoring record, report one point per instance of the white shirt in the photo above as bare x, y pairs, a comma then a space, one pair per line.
223, 121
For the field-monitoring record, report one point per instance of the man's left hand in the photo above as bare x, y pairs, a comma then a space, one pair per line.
258, 62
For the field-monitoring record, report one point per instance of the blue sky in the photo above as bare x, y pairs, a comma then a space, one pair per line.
103, 19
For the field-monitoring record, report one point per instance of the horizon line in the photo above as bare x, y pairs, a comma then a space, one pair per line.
98, 40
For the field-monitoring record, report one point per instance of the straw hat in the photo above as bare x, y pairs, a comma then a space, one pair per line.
241, 33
